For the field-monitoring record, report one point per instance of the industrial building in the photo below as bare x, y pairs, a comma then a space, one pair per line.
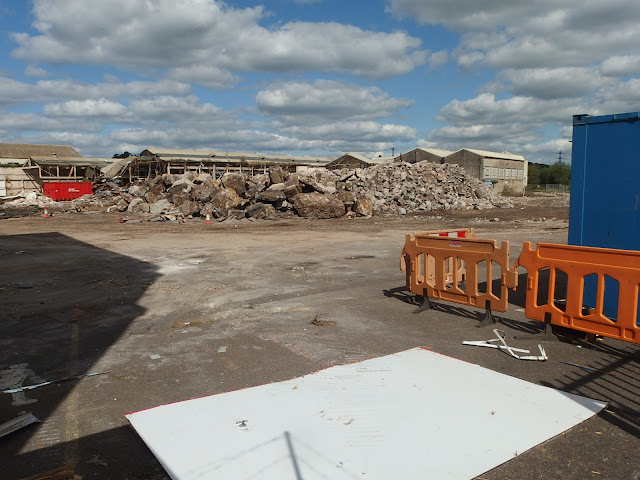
25, 167
501, 170
422, 154
355, 160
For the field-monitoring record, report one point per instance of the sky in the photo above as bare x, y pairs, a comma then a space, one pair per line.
314, 77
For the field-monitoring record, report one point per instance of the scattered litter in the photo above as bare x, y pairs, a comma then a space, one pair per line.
321, 323
588, 369
155, 356
222, 349
492, 343
242, 424
97, 461
17, 423
21, 252
67, 379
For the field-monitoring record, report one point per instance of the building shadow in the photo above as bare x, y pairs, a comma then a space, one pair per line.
64, 303
614, 376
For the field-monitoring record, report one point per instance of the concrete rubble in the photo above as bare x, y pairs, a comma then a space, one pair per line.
388, 189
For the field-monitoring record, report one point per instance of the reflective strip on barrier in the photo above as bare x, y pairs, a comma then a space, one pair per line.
450, 269
458, 233
569, 267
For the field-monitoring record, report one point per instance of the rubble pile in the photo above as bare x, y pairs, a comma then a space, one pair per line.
388, 189
408, 188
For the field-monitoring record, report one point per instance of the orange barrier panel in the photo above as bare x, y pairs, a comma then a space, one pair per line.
560, 301
430, 270
449, 269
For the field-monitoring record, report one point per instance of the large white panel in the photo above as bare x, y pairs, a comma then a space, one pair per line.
415, 414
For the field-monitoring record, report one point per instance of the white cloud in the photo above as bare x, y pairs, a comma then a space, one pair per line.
33, 122
170, 107
550, 83
353, 131
620, 98
35, 72
327, 100
85, 108
206, 75
621, 65
192, 36
486, 110
14, 92
537, 33
438, 59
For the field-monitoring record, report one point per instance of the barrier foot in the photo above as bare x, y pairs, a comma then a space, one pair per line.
423, 303
488, 317
545, 335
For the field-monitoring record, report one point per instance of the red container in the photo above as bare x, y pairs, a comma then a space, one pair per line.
67, 190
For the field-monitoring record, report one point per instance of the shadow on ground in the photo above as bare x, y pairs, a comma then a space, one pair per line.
64, 303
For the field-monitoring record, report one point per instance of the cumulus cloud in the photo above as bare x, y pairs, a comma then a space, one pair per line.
170, 107
621, 65
550, 83
14, 92
85, 108
208, 34
327, 100
437, 59
26, 122
206, 75
353, 131
538, 33
486, 109
35, 72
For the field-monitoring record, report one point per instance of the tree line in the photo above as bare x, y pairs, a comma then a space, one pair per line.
541, 174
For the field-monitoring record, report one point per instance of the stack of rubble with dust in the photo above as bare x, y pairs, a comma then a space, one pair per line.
388, 189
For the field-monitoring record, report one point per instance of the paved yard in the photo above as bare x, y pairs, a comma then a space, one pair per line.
153, 303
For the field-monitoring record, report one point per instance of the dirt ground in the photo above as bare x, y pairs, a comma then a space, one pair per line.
152, 303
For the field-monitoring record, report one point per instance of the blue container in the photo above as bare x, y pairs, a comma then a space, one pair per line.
605, 190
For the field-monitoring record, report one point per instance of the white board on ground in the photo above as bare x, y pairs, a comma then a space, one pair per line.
414, 414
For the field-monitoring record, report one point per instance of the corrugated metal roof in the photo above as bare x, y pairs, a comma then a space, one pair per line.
13, 161
435, 151
71, 161
381, 160
486, 153
357, 156
25, 150
176, 154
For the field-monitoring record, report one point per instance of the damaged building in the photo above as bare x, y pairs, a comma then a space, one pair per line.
46, 169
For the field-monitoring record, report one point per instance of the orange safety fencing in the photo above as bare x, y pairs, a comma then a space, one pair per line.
453, 269
560, 300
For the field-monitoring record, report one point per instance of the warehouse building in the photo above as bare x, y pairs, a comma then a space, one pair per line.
20, 170
355, 160
153, 161
422, 154
501, 170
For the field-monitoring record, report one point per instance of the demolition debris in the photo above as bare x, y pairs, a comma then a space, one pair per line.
385, 190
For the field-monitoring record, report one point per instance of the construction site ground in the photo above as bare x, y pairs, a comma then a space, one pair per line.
153, 303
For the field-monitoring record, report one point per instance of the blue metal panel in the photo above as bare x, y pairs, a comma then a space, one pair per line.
605, 188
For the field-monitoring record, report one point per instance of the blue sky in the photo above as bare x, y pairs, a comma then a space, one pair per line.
314, 77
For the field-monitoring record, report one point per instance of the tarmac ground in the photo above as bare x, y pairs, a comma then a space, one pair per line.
148, 305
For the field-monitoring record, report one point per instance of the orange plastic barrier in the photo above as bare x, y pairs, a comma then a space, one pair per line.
450, 269
560, 300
